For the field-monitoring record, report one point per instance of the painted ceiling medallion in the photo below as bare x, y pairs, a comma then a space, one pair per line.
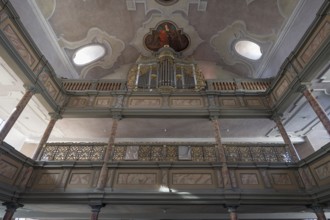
166, 2
166, 34
150, 27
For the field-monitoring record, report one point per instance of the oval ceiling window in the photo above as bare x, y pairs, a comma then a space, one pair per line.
248, 49
88, 54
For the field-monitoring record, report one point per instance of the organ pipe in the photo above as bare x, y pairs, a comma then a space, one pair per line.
165, 70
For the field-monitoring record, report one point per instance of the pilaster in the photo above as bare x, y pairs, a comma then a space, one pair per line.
319, 212
321, 114
232, 212
289, 145
96, 208
51, 124
108, 153
30, 91
220, 153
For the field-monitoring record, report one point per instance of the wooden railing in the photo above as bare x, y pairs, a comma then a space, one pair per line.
260, 85
73, 152
102, 85
257, 153
163, 152
216, 85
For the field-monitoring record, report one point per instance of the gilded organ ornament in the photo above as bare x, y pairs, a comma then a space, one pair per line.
165, 71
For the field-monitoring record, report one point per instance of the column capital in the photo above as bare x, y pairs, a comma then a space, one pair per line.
96, 207
214, 117
303, 87
55, 115
31, 88
317, 208
276, 116
12, 206
231, 208
117, 117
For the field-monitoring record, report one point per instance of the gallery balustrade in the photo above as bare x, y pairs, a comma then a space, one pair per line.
165, 153
246, 86
102, 85
73, 151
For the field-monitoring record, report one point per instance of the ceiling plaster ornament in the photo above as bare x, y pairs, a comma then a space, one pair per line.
154, 21
182, 6
47, 7
249, 1
113, 46
224, 42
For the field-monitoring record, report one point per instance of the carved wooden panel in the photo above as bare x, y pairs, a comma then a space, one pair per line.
144, 102
281, 87
283, 179
51, 88
322, 33
103, 102
186, 102
249, 179
80, 178
78, 102
229, 102
320, 171
48, 178
191, 179
323, 171
19, 43
8, 170
254, 102
137, 179
187, 178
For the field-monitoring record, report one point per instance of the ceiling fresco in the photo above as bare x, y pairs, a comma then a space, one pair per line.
166, 33
205, 30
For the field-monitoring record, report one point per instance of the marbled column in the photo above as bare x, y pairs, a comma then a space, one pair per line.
95, 211
318, 210
10, 209
217, 135
51, 124
220, 152
321, 114
104, 171
232, 212
14, 116
290, 147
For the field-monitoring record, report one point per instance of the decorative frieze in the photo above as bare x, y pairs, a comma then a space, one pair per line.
315, 42
20, 45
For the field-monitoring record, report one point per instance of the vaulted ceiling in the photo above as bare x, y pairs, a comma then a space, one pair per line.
213, 28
